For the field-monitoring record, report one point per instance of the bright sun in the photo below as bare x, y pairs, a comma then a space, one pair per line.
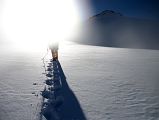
32, 24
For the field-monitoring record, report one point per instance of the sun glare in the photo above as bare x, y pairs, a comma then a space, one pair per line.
32, 24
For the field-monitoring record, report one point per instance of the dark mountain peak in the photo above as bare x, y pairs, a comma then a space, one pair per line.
107, 13
110, 12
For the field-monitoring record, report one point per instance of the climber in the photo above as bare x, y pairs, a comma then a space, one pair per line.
54, 51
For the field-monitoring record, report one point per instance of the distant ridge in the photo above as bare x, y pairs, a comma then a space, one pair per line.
112, 29
107, 13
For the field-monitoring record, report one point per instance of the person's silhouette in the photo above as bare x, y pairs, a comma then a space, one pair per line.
54, 51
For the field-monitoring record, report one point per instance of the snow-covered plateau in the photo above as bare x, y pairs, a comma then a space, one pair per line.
108, 83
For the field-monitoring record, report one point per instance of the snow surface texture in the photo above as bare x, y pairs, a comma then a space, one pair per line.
107, 83
21, 81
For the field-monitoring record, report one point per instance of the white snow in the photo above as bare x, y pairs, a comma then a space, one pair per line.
18, 72
109, 83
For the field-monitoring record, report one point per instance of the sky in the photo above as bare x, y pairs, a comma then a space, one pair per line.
148, 9
26, 22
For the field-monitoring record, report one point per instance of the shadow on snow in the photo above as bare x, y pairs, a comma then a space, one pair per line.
71, 108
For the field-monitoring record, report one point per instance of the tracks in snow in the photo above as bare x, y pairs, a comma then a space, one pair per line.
51, 99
